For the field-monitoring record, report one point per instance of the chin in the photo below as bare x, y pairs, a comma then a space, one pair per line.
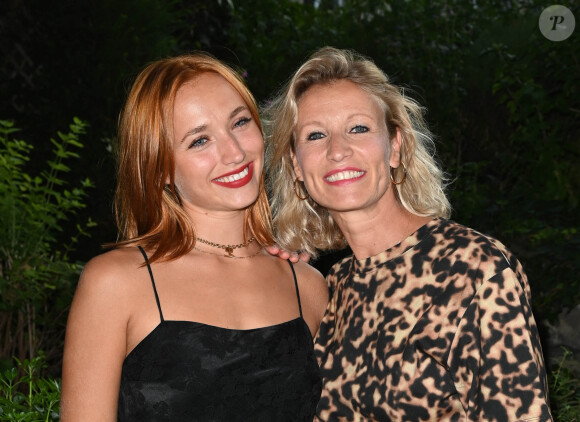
344, 204
242, 204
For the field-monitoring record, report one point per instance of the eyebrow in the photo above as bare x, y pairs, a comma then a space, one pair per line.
349, 117
237, 110
201, 128
193, 132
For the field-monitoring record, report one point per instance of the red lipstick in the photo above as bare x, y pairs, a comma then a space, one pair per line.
239, 182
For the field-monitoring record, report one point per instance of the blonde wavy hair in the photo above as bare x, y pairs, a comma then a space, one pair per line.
304, 225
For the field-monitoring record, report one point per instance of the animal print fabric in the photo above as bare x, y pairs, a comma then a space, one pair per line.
437, 328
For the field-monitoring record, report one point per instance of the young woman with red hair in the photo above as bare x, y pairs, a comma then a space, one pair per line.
187, 318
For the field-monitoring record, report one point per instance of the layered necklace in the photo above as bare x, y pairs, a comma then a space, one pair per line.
228, 248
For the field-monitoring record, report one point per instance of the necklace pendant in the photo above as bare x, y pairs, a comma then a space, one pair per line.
230, 252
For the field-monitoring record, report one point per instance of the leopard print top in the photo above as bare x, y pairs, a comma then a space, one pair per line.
437, 328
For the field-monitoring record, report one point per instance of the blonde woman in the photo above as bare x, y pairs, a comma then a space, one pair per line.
188, 319
428, 320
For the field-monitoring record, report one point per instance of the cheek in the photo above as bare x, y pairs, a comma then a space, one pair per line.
380, 150
254, 142
259, 145
179, 178
187, 170
255, 148
305, 158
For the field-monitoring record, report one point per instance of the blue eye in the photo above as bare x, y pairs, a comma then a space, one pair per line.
315, 136
359, 129
242, 122
199, 142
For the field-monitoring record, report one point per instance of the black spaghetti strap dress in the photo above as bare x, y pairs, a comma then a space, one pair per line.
189, 371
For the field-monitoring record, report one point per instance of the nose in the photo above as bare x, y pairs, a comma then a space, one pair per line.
231, 150
338, 148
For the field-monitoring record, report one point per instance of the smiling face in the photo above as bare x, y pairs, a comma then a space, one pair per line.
218, 147
342, 148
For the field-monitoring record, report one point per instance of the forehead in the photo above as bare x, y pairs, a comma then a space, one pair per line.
206, 85
204, 102
336, 96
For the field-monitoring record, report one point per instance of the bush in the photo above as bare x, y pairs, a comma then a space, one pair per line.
25, 396
36, 278
564, 391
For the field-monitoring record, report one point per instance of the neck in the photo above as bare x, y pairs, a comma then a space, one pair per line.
220, 227
375, 229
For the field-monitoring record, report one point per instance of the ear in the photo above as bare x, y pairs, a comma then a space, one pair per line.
296, 166
396, 143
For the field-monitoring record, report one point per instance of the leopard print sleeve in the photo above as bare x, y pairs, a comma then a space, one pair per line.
495, 357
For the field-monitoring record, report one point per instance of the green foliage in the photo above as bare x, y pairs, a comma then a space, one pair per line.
272, 37
528, 178
70, 58
26, 396
564, 391
36, 277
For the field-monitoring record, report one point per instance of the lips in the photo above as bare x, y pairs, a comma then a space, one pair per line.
236, 178
343, 176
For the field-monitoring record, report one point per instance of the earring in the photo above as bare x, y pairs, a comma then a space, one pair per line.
400, 182
302, 198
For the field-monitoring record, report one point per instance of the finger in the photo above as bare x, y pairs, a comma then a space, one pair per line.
304, 256
273, 250
293, 257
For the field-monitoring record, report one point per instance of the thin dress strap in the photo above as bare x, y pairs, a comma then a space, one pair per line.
153, 282
296, 284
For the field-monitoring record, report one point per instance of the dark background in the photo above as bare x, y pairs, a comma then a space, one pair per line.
503, 101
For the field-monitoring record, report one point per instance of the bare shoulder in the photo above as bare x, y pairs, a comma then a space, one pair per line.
309, 276
114, 261
105, 297
313, 293
110, 276
122, 262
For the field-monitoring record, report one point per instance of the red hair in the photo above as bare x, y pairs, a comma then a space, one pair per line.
148, 210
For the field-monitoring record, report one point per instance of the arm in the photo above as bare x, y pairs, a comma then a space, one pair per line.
95, 345
496, 357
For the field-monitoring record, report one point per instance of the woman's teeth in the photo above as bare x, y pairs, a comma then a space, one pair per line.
234, 177
345, 175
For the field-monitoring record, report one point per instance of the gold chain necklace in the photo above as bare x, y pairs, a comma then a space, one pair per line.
228, 248
228, 256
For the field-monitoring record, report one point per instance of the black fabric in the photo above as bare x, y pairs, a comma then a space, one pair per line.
189, 371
